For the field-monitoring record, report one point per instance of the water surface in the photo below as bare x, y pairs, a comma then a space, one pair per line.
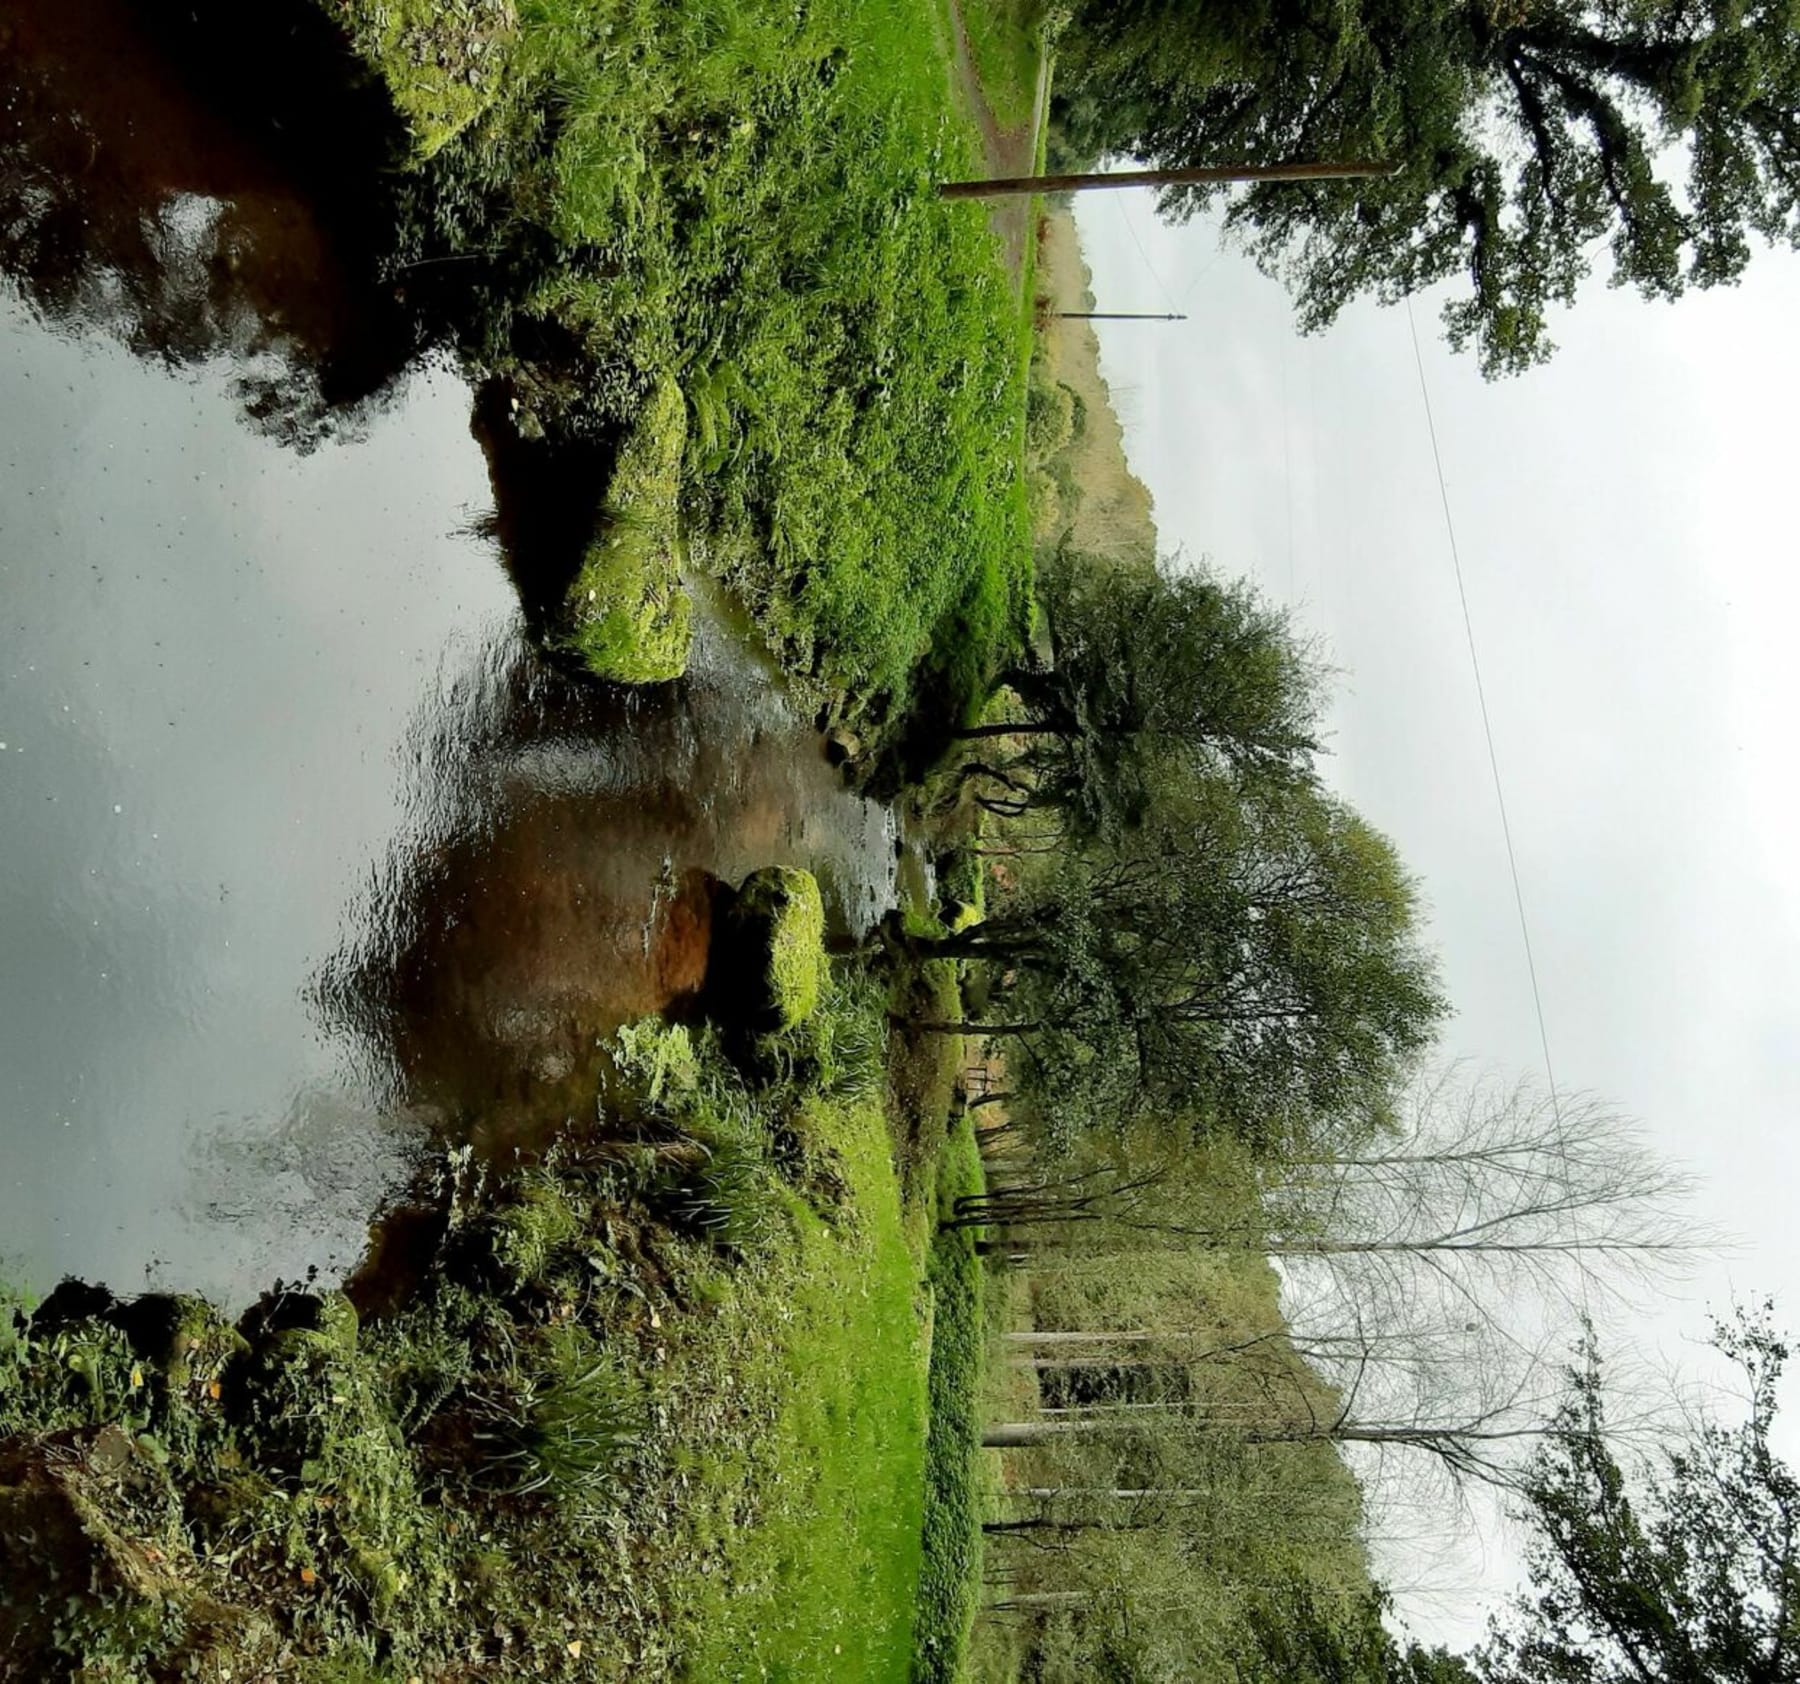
309, 850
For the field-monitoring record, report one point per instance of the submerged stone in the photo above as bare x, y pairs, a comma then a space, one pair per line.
630, 618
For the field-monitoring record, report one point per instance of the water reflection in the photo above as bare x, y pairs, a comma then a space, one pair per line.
129, 207
563, 879
310, 850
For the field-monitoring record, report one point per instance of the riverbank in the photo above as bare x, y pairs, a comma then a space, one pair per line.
682, 1392
653, 1405
737, 202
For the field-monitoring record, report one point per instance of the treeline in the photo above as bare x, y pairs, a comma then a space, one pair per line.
1198, 964
1250, 1239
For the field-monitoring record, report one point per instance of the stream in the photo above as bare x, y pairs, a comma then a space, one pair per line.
311, 853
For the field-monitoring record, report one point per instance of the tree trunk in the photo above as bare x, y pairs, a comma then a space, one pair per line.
1044, 1599
1056, 1365
1006, 728
1207, 174
1135, 1335
933, 1027
1024, 1435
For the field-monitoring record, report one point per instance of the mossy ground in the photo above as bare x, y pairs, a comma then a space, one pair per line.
741, 195
444, 63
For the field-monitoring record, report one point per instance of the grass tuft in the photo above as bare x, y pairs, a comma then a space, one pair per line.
563, 1432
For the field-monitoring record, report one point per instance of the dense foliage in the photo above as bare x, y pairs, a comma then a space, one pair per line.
1522, 137
1150, 676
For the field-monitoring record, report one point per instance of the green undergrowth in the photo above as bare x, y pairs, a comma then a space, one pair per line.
949, 1590
657, 1409
739, 197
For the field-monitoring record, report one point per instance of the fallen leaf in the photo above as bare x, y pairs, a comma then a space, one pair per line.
575, 1650
308, 1576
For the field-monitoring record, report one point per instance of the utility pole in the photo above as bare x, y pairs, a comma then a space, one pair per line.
1112, 316
1211, 175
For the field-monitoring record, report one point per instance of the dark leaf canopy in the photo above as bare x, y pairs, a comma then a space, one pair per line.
1529, 137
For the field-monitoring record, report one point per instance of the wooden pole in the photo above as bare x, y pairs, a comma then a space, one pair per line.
1212, 175
1113, 316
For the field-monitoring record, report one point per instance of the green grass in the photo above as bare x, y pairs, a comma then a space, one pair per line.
740, 195
823, 1585
949, 1590
1005, 41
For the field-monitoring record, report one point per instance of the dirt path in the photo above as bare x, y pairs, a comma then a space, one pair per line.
1004, 151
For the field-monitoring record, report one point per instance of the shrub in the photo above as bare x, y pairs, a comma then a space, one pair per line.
1049, 418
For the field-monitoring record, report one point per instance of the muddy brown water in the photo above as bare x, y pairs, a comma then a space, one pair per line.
307, 851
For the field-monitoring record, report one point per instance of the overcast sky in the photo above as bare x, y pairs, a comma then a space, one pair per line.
1625, 521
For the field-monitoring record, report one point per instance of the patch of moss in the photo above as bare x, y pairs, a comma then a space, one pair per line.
778, 926
630, 618
442, 65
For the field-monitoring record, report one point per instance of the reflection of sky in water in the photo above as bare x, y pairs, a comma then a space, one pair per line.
212, 651
252, 700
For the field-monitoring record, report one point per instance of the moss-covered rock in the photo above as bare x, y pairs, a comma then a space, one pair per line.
443, 66
961, 915
775, 959
182, 1337
629, 616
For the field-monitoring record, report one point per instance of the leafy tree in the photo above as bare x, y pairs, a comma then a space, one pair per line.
1147, 668
1524, 133
1301, 1639
1247, 960
1694, 1579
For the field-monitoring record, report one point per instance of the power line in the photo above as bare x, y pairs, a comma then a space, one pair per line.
1487, 730
1168, 297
